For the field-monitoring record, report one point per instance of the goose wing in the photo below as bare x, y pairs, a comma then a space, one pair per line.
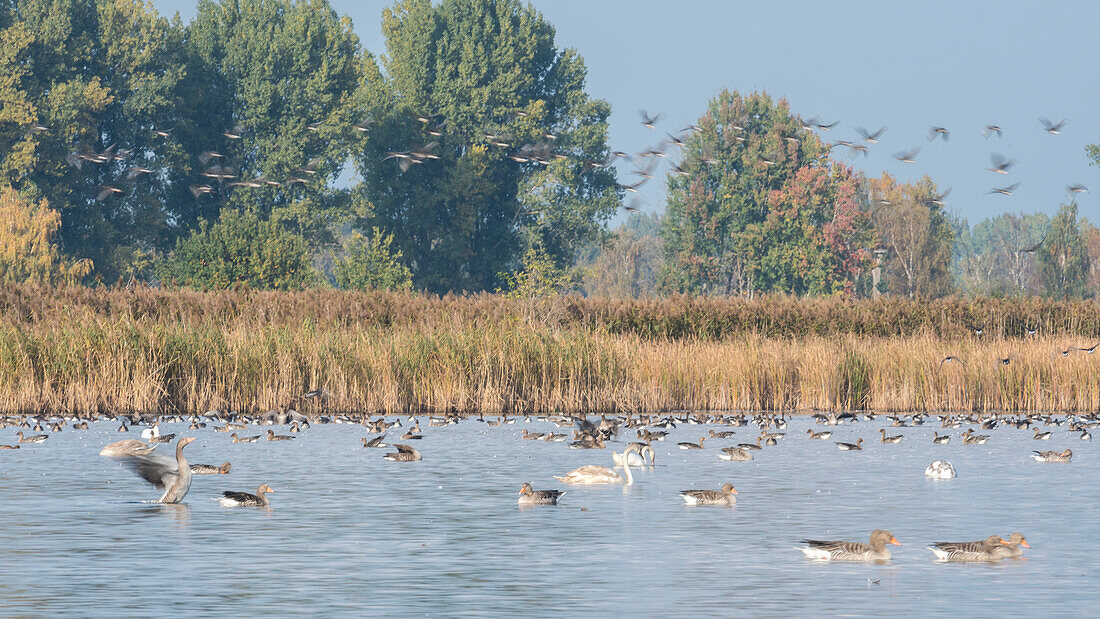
838, 548
405, 449
704, 495
241, 497
154, 468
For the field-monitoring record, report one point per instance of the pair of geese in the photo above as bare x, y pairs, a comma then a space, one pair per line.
634, 455
992, 548
174, 476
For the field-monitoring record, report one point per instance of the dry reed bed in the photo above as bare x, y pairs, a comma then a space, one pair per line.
110, 361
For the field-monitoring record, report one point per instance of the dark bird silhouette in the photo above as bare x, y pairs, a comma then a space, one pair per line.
952, 359
1076, 188
1033, 248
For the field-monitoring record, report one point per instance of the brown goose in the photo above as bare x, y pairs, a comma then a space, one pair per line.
244, 439
173, 476
725, 496
230, 498
753, 446
404, 453
985, 550
530, 436
1011, 548
889, 440
271, 436
819, 436
687, 445
941, 440
530, 496
969, 438
857, 446
852, 551
162, 438
725, 434
210, 469
1052, 456
36, 438
1041, 436
736, 454
374, 442
9, 446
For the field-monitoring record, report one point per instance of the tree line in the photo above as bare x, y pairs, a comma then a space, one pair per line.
261, 144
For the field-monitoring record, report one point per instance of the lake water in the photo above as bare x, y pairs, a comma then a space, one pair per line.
349, 533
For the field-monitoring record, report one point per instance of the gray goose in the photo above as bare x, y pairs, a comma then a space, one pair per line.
941, 440
857, 446
127, 447
530, 496
852, 551
1011, 548
374, 442
210, 469
970, 552
890, 440
404, 453
271, 436
1052, 456
819, 436
687, 445
36, 438
172, 476
725, 496
736, 454
230, 498
244, 439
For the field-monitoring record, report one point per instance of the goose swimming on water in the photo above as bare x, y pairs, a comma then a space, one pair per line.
530, 496
852, 551
230, 498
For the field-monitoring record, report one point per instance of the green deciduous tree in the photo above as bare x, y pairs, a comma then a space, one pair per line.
98, 75
241, 248
487, 77
1063, 257
759, 206
370, 264
989, 257
280, 77
627, 264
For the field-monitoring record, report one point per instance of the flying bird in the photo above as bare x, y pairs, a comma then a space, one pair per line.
1000, 164
1076, 188
908, 156
1005, 191
1051, 128
1032, 249
938, 198
990, 130
936, 132
650, 122
870, 137
235, 133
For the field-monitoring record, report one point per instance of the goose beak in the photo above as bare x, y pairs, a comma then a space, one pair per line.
733, 490
1025, 544
894, 541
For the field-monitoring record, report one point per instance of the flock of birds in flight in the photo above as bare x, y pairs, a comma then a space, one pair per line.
218, 176
173, 476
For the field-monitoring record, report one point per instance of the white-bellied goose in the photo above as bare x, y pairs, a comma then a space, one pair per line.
969, 438
210, 469
857, 446
819, 436
374, 442
173, 476
940, 440
35, 438
404, 453
753, 446
530, 496
725, 496
889, 440
230, 498
271, 436
244, 439
1052, 456
972, 552
531, 436
686, 445
852, 551
1041, 436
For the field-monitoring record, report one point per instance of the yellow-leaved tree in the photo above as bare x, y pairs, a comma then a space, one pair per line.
27, 251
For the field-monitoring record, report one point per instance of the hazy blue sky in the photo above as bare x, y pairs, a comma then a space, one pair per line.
905, 65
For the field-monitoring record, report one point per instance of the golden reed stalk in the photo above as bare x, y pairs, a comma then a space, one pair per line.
80, 350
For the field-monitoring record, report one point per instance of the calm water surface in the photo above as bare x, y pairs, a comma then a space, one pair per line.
351, 533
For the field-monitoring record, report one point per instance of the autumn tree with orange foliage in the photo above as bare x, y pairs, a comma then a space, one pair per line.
28, 254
